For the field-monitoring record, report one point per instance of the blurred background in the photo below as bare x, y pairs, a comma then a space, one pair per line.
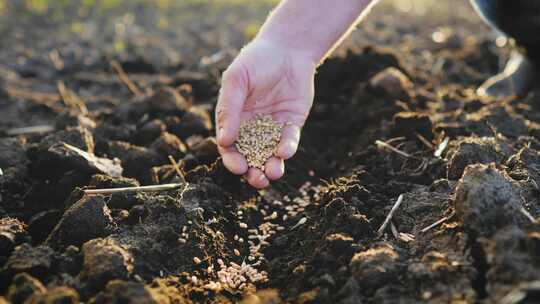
168, 33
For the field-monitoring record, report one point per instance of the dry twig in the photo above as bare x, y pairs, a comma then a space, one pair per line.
394, 230
39, 97
424, 140
400, 236
437, 223
442, 146
527, 214
132, 87
382, 144
153, 188
30, 130
179, 170
390, 215
71, 100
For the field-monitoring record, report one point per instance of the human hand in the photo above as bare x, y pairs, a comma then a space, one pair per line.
265, 78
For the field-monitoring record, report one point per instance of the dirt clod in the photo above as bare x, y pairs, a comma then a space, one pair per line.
12, 153
167, 99
412, 123
196, 121
22, 287
168, 144
137, 161
104, 260
58, 295
12, 232
118, 291
487, 199
511, 254
205, 149
376, 266
76, 159
472, 150
392, 82
36, 261
42, 223
77, 136
87, 219
150, 131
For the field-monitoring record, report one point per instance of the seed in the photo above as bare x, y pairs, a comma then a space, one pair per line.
301, 222
196, 260
243, 225
258, 139
236, 252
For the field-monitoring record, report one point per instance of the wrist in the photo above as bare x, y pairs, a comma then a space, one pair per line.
282, 45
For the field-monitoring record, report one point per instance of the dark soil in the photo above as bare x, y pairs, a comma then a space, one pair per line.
473, 162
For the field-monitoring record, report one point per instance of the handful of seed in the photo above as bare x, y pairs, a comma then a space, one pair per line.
258, 139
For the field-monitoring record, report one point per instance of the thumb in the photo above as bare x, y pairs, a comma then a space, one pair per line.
230, 103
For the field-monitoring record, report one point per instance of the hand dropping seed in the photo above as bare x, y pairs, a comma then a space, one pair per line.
258, 139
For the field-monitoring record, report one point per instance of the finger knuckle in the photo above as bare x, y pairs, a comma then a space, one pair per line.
236, 74
221, 114
231, 76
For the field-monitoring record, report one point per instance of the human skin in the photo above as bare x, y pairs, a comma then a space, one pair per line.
274, 75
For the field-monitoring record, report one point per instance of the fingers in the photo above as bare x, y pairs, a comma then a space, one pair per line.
236, 163
233, 160
274, 168
229, 106
290, 138
256, 178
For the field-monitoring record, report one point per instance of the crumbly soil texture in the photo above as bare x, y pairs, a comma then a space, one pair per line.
386, 123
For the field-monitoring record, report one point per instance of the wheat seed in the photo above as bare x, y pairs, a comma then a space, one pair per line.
258, 139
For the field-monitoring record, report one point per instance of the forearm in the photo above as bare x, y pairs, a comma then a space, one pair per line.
315, 27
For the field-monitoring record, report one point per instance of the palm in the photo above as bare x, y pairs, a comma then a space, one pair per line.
279, 92
263, 80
